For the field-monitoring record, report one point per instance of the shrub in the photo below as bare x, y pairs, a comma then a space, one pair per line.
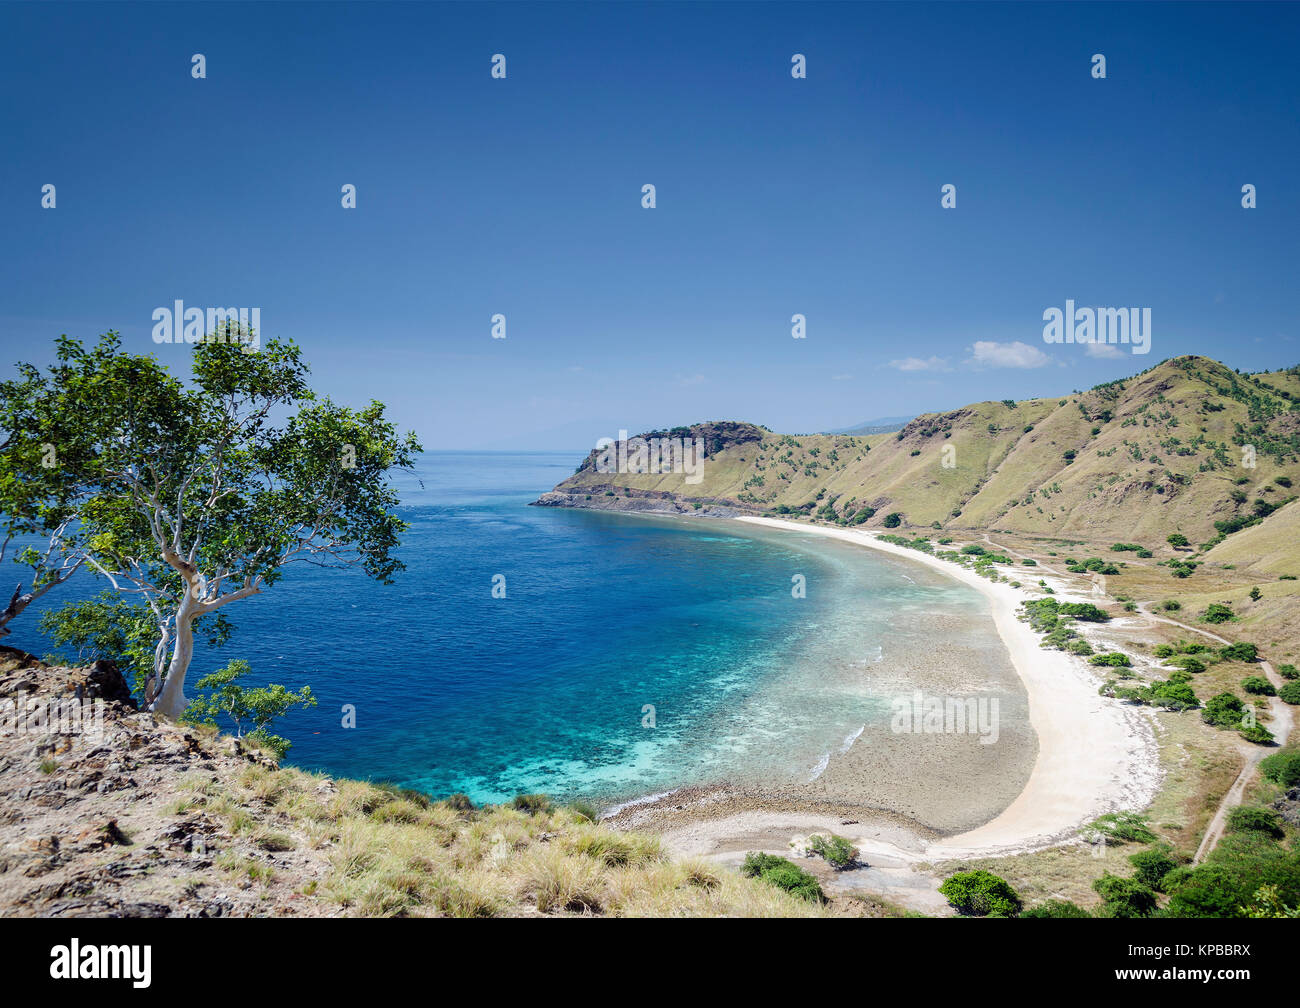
1282, 768
458, 802
837, 851
1169, 605
1177, 540
1188, 664
893, 520
1122, 827
981, 894
1290, 693
1124, 897
1056, 908
1172, 694
1029, 563
1258, 685
1218, 612
1115, 659
1152, 866
1234, 872
1245, 817
1257, 733
783, 874
531, 803
585, 809
1223, 711
1288, 672
1239, 652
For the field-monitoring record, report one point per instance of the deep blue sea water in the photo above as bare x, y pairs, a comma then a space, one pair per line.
544, 689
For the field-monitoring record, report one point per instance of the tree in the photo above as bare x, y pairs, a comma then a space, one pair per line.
981, 893
107, 627
1178, 540
191, 498
258, 707
36, 490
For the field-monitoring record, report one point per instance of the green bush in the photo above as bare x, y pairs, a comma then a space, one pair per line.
1282, 768
783, 874
837, 851
1258, 685
1235, 870
1217, 612
1223, 711
893, 520
1169, 605
1056, 908
1188, 664
981, 894
1114, 659
1288, 672
1152, 866
1240, 651
1124, 897
1257, 733
1246, 817
1290, 693
1122, 827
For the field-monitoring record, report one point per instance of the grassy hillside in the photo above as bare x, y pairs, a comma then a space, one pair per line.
1133, 460
155, 819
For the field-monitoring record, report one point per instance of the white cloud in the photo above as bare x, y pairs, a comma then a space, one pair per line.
842, 377
987, 353
1106, 351
921, 364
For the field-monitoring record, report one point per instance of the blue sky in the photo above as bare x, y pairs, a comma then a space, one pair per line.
775, 196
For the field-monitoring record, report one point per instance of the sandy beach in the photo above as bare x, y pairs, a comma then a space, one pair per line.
1094, 755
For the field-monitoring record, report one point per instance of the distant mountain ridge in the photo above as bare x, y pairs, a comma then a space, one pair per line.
881, 425
1188, 446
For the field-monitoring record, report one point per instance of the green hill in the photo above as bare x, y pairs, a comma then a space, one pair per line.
1168, 450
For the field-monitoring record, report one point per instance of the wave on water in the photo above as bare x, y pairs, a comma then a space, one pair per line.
820, 768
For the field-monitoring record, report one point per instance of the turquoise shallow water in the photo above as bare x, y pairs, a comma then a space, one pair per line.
544, 690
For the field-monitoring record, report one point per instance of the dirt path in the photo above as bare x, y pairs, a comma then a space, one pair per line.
1250, 753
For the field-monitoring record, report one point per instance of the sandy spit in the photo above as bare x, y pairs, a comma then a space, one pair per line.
1094, 755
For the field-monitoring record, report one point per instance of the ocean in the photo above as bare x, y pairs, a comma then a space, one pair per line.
620, 655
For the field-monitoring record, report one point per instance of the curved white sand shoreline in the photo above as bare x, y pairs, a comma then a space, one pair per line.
1094, 755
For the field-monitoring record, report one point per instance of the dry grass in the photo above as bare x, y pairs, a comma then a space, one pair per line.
390, 853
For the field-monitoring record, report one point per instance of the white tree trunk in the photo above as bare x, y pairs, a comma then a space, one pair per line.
171, 701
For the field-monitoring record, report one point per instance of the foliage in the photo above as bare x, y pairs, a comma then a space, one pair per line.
1246, 817
1282, 767
1218, 612
1122, 827
105, 627
192, 495
257, 707
981, 894
1241, 651
1056, 908
837, 851
1235, 870
1259, 686
1223, 711
783, 874
1152, 866
1122, 897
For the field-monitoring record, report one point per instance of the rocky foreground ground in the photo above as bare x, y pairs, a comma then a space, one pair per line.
95, 824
